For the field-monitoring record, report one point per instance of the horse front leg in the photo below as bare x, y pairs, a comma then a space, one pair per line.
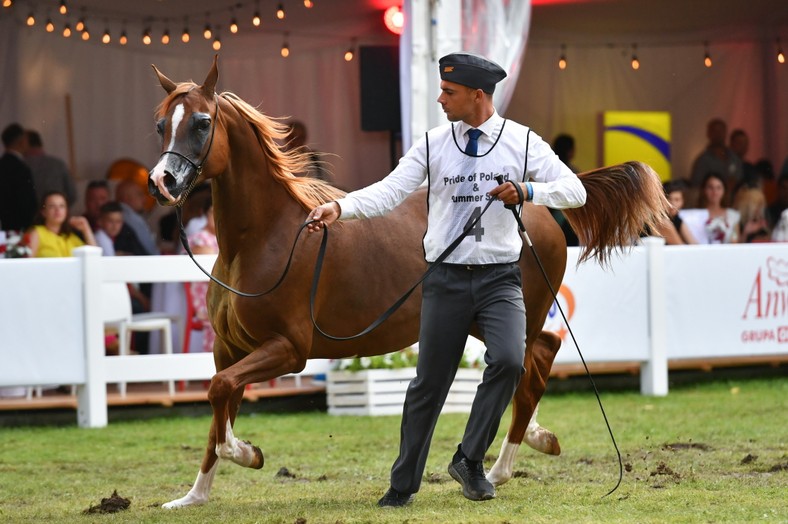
225, 394
525, 405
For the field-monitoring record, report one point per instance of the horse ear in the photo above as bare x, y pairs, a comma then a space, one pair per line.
165, 82
209, 86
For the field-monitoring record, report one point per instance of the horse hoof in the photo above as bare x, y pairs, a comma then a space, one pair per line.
544, 441
259, 460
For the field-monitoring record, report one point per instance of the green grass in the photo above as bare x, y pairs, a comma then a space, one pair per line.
341, 465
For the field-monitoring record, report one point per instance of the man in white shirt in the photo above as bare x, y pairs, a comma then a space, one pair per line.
480, 281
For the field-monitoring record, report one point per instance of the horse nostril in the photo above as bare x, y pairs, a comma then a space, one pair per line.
170, 182
152, 189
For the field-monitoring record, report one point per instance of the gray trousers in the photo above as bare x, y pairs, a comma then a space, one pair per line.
453, 298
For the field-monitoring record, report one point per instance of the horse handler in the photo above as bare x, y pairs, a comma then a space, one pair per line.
480, 281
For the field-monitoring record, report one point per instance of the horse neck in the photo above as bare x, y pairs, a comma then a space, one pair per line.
251, 207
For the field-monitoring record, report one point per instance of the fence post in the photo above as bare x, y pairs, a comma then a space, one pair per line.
654, 373
92, 396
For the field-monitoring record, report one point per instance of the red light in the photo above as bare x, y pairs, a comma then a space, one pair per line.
394, 19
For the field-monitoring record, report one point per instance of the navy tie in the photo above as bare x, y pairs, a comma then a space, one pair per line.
473, 141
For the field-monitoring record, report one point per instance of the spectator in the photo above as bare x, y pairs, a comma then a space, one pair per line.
751, 205
54, 232
717, 158
722, 224
680, 233
49, 173
204, 242
296, 139
96, 195
18, 201
110, 225
132, 199
739, 143
564, 147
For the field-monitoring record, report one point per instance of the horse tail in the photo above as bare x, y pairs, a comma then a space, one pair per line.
623, 201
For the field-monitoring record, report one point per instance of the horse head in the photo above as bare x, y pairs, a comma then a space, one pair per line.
192, 139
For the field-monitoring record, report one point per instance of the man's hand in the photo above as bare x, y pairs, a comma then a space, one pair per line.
507, 193
325, 215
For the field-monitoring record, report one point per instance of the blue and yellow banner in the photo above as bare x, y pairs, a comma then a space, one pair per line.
638, 135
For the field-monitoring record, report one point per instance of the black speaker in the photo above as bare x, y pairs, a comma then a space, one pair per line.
380, 109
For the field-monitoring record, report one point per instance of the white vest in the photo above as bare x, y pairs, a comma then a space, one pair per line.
458, 187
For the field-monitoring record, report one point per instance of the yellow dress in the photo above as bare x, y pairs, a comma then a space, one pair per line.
52, 245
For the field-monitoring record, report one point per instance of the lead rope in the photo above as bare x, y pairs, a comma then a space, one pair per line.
527, 238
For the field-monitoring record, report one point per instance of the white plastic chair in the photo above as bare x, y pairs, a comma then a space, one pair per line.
116, 307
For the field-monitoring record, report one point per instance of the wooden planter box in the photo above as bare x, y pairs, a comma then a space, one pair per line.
382, 391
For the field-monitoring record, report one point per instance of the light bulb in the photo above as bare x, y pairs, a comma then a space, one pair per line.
50, 27
207, 32
31, 20
67, 31
280, 12
123, 38
63, 9
185, 36
106, 38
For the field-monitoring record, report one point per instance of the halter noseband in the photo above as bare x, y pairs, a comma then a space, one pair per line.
197, 167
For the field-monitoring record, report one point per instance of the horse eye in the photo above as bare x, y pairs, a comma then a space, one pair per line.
204, 124
160, 127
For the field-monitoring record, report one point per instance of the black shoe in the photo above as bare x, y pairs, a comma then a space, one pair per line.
470, 475
395, 499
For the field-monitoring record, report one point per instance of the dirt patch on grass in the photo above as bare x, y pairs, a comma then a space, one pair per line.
664, 473
111, 504
783, 466
284, 473
749, 459
676, 446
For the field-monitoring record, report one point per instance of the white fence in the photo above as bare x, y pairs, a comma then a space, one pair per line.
655, 303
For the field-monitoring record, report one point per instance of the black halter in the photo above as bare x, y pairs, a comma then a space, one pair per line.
196, 166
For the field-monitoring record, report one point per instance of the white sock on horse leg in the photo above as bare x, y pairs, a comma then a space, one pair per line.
238, 451
199, 492
501, 472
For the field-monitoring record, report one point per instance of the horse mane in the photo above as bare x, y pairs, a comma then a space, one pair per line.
623, 201
307, 191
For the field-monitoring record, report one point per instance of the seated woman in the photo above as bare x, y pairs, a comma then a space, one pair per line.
54, 231
722, 225
676, 231
751, 205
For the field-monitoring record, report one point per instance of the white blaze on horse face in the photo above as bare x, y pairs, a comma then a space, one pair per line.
158, 173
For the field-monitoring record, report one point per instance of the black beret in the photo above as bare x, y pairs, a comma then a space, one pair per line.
471, 70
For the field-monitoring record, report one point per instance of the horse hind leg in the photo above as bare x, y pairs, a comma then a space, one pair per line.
524, 427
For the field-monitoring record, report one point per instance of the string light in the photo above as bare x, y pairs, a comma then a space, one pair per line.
85, 33
8, 3
67, 31
217, 43
780, 55
233, 22
63, 8
635, 61
707, 58
562, 59
146, 39
50, 27
256, 18
207, 32
123, 38
350, 53
185, 37
106, 38
309, 4
165, 37
31, 19
80, 24
280, 11
285, 51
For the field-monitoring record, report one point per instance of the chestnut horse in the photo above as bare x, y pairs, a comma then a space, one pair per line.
259, 206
